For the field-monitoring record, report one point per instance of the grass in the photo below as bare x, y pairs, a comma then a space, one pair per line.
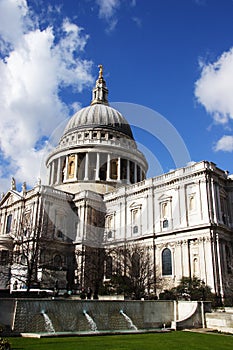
159, 341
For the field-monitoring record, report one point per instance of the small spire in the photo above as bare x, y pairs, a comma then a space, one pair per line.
100, 91
13, 184
24, 188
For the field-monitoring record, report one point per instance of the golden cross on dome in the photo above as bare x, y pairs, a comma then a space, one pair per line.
100, 71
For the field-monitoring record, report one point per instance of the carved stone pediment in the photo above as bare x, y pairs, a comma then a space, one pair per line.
10, 198
165, 197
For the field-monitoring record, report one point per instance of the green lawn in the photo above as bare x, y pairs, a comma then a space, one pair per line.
159, 341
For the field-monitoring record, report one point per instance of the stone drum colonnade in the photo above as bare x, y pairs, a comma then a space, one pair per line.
94, 166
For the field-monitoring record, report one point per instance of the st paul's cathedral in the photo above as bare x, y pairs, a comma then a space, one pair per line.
99, 216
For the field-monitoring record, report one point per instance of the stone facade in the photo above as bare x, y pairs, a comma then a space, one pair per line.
98, 198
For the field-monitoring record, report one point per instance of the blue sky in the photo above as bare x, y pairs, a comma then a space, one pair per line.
172, 56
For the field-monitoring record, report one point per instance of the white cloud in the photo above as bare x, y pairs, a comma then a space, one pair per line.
37, 66
13, 15
214, 89
225, 144
107, 10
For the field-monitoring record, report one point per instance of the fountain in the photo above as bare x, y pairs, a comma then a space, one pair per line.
90, 321
62, 316
129, 321
48, 323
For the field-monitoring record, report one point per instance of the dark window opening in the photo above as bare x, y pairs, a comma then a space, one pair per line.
103, 167
138, 173
4, 257
132, 180
113, 169
8, 223
123, 169
81, 165
166, 262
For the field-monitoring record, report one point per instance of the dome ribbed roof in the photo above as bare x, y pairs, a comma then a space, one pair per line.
99, 115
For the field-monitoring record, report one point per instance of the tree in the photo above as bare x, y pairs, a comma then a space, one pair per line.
133, 273
35, 259
189, 288
193, 287
26, 254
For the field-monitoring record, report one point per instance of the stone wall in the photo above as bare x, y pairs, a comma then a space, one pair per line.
7, 308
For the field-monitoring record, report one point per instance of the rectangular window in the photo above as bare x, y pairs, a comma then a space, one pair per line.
4, 257
8, 223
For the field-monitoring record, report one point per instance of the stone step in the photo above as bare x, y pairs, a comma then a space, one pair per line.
222, 321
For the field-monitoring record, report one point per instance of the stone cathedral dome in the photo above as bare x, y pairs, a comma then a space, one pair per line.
99, 115
97, 150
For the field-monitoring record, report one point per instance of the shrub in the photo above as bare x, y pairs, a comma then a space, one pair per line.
4, 344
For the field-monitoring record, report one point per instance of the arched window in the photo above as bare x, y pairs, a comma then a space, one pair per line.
192, 202
71, 165
195, 266
166, 262
8, 223
164, 210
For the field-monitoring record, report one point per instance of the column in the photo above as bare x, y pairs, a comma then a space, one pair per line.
59, 171
52, 173
97, 168
210, 260
66, 168
202, 262
75, 166
215, 204
179, 264
81, 222
219, 216
128, 172
135, 172
219, 266
185, 258
86, 167
108, 167
119, 169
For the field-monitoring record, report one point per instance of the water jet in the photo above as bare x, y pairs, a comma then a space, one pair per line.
128, 320
48, 323
90, 321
